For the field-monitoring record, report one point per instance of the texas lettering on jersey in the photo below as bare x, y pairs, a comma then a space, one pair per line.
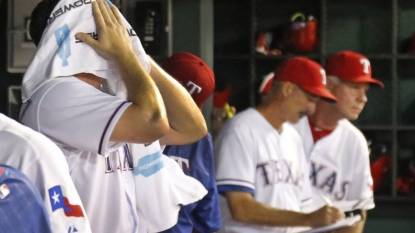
123, 161
275, 172
327, 183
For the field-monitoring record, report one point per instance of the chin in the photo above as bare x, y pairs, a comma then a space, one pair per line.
294, 121
352, 117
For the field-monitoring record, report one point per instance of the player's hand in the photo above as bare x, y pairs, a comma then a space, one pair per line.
113, 39
325, 216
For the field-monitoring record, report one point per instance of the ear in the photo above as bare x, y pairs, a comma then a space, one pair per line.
331, 82
286, 89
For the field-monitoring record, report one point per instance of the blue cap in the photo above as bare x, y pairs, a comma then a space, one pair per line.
22, 209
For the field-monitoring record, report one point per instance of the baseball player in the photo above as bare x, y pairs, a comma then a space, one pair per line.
195, 159
91, 95
261, 169
44, 164
337, 150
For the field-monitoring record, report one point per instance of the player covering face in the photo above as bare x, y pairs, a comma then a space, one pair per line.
110, 136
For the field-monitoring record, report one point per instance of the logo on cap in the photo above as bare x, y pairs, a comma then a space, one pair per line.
193, 88
323, 74
366, 65
194, 73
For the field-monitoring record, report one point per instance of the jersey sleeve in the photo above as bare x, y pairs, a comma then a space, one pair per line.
50, 173
45, 165
206, 216
235, 162
361, 186
69, 103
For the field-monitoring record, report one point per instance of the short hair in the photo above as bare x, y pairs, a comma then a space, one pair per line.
275, 90
39, 18
276, 85
333, 79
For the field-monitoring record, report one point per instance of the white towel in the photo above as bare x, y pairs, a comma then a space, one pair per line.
60, 54
161, 187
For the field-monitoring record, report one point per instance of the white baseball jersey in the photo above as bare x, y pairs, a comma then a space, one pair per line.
252, 156
339, 163
42, 161
80, 120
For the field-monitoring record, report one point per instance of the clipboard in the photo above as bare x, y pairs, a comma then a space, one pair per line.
344, 223
352, 211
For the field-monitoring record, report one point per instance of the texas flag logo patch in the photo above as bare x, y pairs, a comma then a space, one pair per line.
58, 200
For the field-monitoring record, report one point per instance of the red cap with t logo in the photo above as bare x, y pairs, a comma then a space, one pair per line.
352, 67
307, 74
193, 73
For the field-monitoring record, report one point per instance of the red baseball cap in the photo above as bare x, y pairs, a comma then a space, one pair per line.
307, 74
194, 74
352, 67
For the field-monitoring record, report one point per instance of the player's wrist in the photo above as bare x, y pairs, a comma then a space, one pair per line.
128, 62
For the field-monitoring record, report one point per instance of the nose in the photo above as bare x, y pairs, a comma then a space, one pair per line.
362, 97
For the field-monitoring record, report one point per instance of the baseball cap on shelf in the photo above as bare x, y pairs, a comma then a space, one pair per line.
194, 74
307, 74
266, 83
352, 67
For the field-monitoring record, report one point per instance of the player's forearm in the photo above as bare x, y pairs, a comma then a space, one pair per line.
141, 89
266, 215
183, 114
254, 212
